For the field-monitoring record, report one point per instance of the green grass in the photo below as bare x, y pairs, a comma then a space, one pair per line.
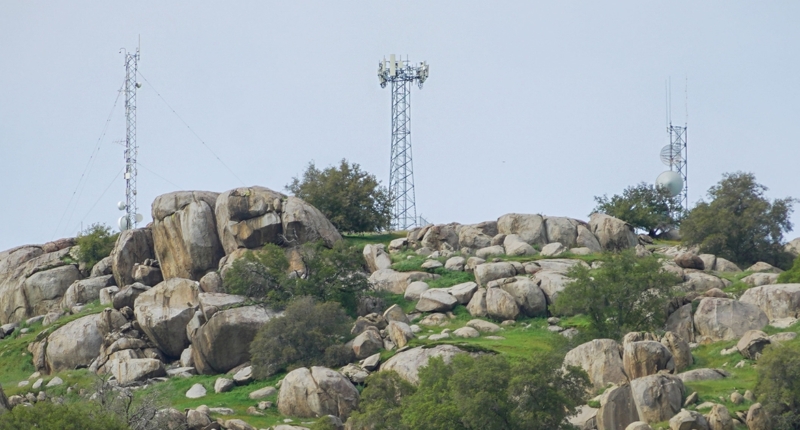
367, 238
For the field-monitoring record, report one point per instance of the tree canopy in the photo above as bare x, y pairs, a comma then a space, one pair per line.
352, 199
739, 223
625, 294
778, 384
645, 207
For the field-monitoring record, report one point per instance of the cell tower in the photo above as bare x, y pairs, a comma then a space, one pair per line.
401, 74
675, 155
131, 217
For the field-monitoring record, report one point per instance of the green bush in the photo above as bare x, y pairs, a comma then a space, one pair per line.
353, 200
51, 416
740, 223
488, 392
95, 243
625, 294
328, 275
791, 276
778, 384
308, 334
644, 206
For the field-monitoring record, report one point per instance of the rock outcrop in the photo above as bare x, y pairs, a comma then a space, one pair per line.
310, 393
164, 311
727, 319
602, 361
407, 363
777, 301
132, 247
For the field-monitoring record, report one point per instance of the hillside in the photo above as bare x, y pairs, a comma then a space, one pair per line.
154, 319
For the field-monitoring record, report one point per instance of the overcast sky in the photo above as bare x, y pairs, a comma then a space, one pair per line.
531, 107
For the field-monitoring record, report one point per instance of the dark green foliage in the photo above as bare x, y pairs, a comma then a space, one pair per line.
95, 243
329, 275
644, 206
487, 393
352, 199
739, 223
791, 276
380, 402
625, 294
48, 415
778, 384
308, 334
323, 423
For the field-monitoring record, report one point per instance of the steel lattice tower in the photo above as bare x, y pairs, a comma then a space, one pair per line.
131, 149
402, 74
677, 144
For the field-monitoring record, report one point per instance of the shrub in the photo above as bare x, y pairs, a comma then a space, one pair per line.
644, 206
95, 243
328, 275
625, 294
352, 199
380, 403
309, 333
778, 384
791, 276
48, 415
739, 223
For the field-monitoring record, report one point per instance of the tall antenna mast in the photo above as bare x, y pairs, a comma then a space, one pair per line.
676, 155
401, 74
131, 217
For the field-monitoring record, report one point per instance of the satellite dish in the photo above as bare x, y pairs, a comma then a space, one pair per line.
671, 155
139, 218
672, 181
122, 222
121, 206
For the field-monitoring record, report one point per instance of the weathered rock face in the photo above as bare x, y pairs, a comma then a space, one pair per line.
777, 301
487, 272
477, 305
681, 323
500, 305
562, 230
477, 236
43, 290
587, 239
436, 300
530, 228
164, 311
602, 361
688, 260
645, 358
248, 217
304, 223
681, 353
75, 344
759, 279
185, 234
367, 343
223, 342
727, 319
703, 374
719, 418
138, 369
127, 295
752, 343
701, 282
132, 247
793, 247
316, 392
617, 409
529, 297
396, 282
86, 290
758, 418
612, 234
688, 420
19, 264
376, 258
407, 363
514, 245
441, 237
658, 397
551, 282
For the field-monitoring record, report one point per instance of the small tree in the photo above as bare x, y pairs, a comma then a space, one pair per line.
791, 276
380, 402
625, 294
95, 243
49, 415
645, 207
353, 200
308, 334
778, 384
739, 223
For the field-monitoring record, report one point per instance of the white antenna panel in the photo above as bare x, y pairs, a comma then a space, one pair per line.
392, 66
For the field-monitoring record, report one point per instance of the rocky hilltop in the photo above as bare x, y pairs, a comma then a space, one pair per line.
154, 312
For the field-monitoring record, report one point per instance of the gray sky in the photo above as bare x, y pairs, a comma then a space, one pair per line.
531, 107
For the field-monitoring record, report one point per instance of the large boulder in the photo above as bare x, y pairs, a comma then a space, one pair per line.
376, 257
681, 323
127, 295
727, 319
752, 343
310, 393
407, 363
587, 239
515, 246
436, 300
701, 282
304, 223
137, 369
248, 217
441, 237
396, 282
777, 301
617, 409
164, 311
719, 418
185, 234
562, 230
530, 228
758, 418
16, 265
500, 305
657, 397
613, 234
793, 247
602, 361
44, 290
223, 342
477, 236
367, 343
688, 420
487, 272
703, 374
529, 297
133, 247
551, 282
645, 358
86, 290
681, 353
759, 279
76, 344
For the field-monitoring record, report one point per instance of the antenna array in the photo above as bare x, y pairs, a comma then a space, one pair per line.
131, 217
401, 74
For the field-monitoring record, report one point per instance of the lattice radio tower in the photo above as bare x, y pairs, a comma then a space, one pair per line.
676, 155
401, 74
131, 217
